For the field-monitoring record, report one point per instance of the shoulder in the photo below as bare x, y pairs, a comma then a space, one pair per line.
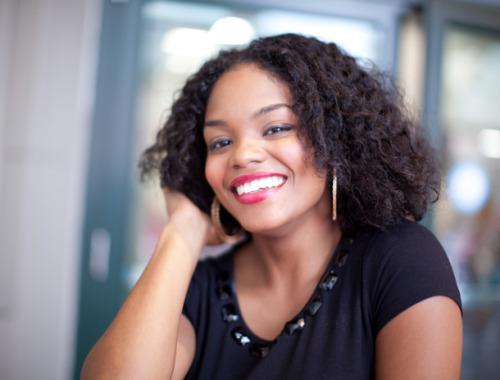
208, 272
403, 266
408, 243
406, 234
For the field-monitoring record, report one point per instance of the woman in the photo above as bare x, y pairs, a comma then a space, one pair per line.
315, 161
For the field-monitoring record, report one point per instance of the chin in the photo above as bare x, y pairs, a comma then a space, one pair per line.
267, 229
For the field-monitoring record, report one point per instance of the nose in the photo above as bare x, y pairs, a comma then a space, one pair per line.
247, 152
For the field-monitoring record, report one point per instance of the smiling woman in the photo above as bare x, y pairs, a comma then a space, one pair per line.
313, 158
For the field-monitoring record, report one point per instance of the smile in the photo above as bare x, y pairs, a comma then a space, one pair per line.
259, 184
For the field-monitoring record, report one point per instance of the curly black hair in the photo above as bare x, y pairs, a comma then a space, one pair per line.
352, 119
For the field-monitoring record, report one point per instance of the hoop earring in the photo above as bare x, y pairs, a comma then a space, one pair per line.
219, 229
334, 195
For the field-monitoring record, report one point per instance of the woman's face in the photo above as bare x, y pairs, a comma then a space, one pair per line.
256, 163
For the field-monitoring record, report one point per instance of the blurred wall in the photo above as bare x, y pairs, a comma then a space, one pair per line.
47, 73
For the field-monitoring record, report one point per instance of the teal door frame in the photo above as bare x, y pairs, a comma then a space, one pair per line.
108, 181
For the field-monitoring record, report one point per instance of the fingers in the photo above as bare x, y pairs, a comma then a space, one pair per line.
187, 216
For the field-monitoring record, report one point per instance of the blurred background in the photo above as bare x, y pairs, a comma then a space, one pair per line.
85, 85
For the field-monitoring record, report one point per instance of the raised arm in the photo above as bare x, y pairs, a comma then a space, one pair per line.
423, 342
149, 338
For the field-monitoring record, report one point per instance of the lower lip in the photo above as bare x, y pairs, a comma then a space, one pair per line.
258, 196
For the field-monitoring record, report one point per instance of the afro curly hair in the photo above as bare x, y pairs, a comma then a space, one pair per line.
353, 120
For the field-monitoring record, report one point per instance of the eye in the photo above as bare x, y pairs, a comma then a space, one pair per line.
276, 129
219, 144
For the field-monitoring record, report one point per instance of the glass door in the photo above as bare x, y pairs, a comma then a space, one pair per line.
467, 218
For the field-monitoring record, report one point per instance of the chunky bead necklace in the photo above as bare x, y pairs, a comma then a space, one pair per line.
259, 348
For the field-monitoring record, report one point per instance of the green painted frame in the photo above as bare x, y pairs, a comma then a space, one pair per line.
108, 179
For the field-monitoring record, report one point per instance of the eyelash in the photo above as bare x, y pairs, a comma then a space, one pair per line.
275, 129
219, 144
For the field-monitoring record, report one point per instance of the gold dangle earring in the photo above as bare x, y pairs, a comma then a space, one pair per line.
219, 229
334, 195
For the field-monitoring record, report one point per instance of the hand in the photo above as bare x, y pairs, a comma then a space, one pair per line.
189, 218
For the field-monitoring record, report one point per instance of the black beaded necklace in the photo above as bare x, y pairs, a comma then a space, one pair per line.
260, 349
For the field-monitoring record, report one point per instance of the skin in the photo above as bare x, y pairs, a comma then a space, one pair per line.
249, 128
423, 342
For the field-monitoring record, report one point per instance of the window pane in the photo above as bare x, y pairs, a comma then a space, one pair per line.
468, 217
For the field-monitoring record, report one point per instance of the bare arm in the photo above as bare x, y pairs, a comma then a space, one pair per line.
149, 338
423, 342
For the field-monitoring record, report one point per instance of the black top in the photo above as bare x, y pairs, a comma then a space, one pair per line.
370, 280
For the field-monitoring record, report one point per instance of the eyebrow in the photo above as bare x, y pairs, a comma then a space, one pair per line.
268, 109
255, 115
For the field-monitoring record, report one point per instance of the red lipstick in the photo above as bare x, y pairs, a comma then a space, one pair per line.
258, 195
252, 177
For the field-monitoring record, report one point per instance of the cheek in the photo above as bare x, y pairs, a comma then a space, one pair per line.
212, 172
304, 166
296, 156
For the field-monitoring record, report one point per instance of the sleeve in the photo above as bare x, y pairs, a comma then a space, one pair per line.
404, 266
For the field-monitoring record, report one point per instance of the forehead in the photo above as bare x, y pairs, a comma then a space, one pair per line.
249, 86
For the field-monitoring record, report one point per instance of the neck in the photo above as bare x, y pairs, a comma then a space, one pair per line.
292, 259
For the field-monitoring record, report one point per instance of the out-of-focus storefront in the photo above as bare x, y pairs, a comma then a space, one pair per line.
467, 218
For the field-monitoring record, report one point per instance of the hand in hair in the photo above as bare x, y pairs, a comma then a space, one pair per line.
190, 220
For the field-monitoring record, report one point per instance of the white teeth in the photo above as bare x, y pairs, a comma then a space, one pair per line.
259, 184
246, 188
265, 183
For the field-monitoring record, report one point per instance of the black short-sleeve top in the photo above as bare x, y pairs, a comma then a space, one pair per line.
371, 279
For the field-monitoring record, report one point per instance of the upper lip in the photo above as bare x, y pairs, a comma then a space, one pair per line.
251, 177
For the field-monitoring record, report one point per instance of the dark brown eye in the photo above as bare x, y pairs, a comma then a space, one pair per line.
277, 129
219, 144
